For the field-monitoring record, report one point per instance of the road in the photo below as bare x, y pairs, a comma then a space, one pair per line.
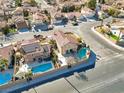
106, 77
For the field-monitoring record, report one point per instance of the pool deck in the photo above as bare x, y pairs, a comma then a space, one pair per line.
21, 85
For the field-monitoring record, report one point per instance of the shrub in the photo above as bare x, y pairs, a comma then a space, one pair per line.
113, 12
92, 4
70, 8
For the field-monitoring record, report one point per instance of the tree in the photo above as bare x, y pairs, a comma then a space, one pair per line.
33, 3
5, 30
18, 2
3, 64
28, 75
68, 8
113, 12
26, 13
53, 43
92, 4
101, 17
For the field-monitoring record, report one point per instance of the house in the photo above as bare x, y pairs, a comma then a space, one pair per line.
3, 24
22, 26
65, 43
73, 15
40, 21
1, 13
60, 19
119, 32
30, 9
87, 12
5, 52
34, 52
28, 3
117, 28
18, 11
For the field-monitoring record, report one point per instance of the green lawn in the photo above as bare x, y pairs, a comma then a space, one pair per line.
114, 37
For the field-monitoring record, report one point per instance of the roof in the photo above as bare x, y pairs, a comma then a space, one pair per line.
86, 11
62, 39
1, 12
72, 14
105, 7
26, 1
58, 15
3, 24
31, 47
18, 10
17, 18
39, 16
21, 24
5, 52
31, 9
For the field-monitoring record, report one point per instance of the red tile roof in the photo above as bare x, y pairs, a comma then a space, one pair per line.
5, 51
21, 24
62, 39
72, 14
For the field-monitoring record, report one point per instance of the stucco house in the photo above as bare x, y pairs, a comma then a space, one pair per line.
65, 43
34, 52
40, 21
22, 26
18, 11
60, 19
117, 28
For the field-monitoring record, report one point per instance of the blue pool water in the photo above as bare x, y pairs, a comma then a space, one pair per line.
5, 77
24, 30
81, 53
42, 68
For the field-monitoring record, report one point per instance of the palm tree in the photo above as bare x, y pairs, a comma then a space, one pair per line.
29, 75
53, 43
3, 64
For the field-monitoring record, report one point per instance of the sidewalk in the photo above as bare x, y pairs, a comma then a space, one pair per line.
107, 40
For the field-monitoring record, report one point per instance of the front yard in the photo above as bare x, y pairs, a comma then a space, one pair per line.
105, 31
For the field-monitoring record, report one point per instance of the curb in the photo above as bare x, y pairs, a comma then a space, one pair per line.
107, 40
5, 45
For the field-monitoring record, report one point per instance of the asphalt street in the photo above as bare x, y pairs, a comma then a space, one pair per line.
106, 77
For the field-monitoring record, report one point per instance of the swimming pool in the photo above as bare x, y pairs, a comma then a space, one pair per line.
5, 77
81, 53
42, 68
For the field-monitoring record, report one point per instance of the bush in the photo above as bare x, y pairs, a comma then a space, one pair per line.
7, 30
92, 4
26, 13
18, 2
68, 8
113, 12
3, 64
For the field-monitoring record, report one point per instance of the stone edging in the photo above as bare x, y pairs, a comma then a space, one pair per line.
107, 40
